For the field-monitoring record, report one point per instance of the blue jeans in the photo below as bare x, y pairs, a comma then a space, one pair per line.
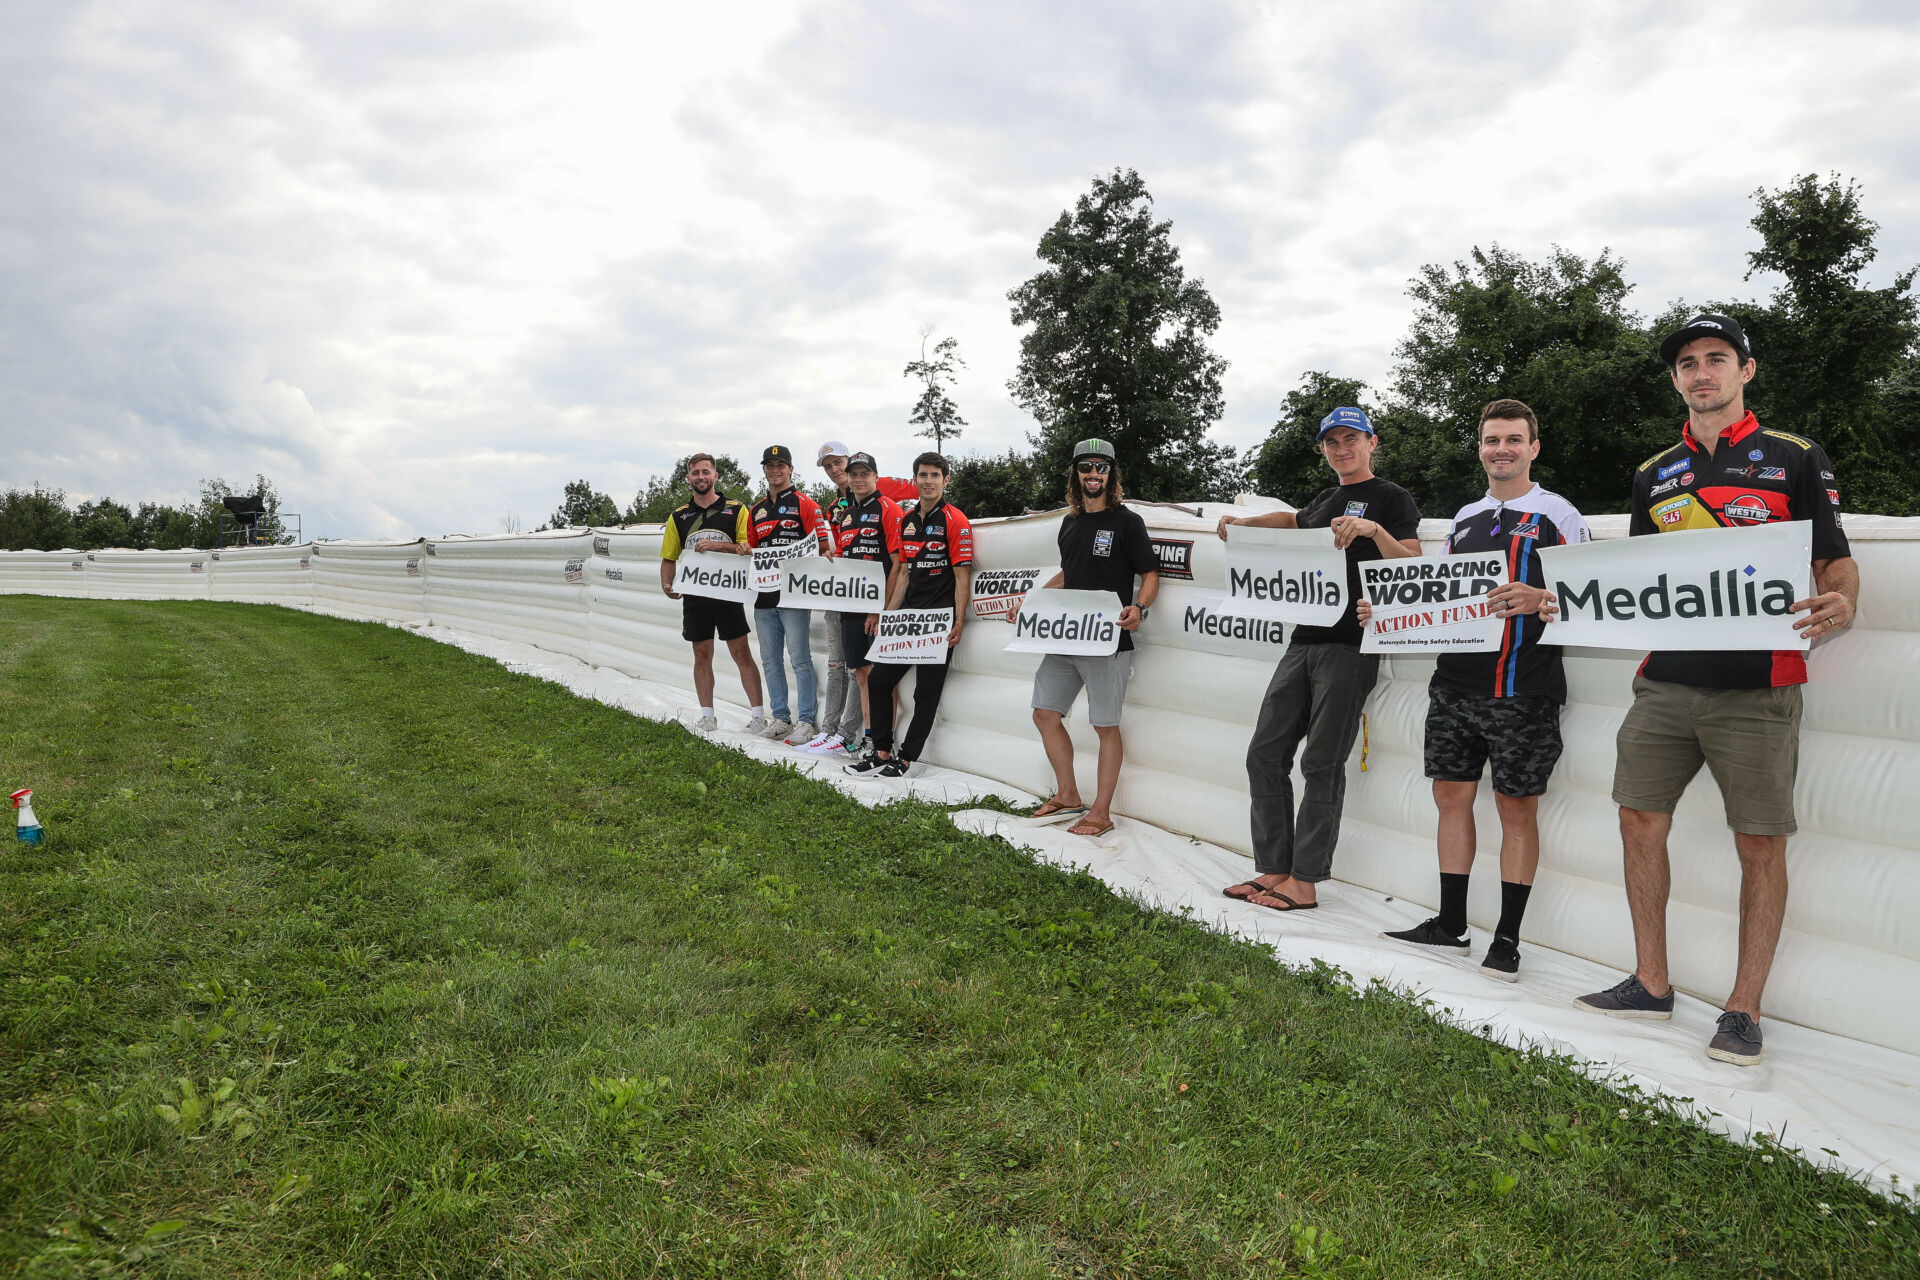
787, 627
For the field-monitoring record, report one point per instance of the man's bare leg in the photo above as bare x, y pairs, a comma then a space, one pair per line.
1059, 747
1643, 840
1457, 835
703, 672
1519, 837
749, 673
1112, 753
1763, 904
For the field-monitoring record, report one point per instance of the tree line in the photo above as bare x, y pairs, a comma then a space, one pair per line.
41, 519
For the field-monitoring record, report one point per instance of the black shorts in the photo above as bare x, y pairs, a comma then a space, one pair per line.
1521, 735
701, 616
854, 640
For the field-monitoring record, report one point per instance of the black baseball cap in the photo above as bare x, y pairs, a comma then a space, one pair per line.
1707, 324
862, 460
777, 453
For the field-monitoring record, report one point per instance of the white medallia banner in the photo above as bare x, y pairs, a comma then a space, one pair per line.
1433, 604
715, 575
840, 585
1080, 623
1690, 589
1294, 575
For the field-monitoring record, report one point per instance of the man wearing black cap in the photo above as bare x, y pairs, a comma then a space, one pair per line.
784, 516
1103, 547
1739, 712
865, 527
1313, 703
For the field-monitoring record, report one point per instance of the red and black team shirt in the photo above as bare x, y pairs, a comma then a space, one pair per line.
779, 519
1753, 476
932, 545
868, 530
1516, 528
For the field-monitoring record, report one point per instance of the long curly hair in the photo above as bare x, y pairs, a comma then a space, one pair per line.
1078, 500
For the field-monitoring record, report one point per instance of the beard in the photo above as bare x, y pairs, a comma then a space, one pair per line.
1093, 486
701, 487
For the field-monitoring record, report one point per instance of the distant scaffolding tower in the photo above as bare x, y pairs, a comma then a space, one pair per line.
247, 511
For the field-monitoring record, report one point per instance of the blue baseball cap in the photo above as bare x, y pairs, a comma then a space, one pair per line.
1346, 416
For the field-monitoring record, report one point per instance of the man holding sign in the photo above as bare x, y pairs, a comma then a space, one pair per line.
1323, 679
1736, 712
934, 573
866, 527
711, 523
784, 517
1502, 705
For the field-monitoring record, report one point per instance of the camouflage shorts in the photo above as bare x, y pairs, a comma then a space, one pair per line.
1520, 735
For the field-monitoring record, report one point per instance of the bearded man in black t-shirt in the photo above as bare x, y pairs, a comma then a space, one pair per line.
1103, 547
1323, 679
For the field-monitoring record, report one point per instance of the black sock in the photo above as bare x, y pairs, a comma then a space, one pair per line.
1513, 905
1453, 903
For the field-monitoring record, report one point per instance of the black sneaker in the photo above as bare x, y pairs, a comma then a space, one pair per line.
1737, 1041
868, 764
894, 768
1629, 999
1430, 933
1503, 960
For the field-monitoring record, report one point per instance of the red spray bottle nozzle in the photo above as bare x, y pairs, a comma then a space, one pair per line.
24, 793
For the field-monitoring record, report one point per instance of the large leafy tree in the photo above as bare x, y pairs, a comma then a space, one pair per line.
1116, 347
661, 494
581, 504
1003, 486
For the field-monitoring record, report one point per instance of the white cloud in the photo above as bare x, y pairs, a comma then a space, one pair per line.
424, 268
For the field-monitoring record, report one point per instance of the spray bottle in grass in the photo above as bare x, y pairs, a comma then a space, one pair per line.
29, 830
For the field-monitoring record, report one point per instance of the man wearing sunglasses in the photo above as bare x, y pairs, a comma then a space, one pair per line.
1103, 547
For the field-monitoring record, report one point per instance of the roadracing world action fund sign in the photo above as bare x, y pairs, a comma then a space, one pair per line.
1693, 589
1293, 575
1432, 604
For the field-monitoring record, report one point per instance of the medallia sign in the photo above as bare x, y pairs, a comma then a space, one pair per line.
1690, 589
715, 575
1080, 623
1294, 575
1432, 604
840, 586
912, 636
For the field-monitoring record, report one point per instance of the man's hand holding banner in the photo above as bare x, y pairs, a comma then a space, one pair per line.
1293, 575
1691, 589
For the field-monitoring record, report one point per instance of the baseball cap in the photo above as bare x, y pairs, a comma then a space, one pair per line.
1707, 324
861, 460
1346, 416
777, 453
1094, 448
832, 449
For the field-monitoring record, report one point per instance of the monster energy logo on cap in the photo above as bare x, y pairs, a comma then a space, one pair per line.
1094, 448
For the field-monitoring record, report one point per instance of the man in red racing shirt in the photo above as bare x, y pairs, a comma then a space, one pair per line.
866, 527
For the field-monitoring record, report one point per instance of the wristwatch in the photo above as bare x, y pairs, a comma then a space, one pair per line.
1144, 611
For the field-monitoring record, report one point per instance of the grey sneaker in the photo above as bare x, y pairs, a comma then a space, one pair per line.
777, 729
1503, 960
1629, 999
1430, 933
1737, 1041
802, 736
705, 724
757, 725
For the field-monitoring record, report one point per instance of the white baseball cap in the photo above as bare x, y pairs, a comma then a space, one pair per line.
832, 449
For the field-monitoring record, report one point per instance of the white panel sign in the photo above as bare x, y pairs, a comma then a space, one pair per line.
1184, 618
843, 586
714, 575
1433, 604
1294, 575
1691, 589
996, 591
1086, 623
769, 563
912, 636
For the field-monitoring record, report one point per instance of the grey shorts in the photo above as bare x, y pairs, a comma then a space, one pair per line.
1748, 738
1060, 678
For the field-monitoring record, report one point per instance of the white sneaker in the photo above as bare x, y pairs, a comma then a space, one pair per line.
705, 724
756, 725
777, 729
814, 743
802, 735
827, 744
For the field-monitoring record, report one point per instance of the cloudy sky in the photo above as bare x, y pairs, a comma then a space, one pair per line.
423, 264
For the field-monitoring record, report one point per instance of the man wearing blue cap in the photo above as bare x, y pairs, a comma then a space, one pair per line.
1323, 679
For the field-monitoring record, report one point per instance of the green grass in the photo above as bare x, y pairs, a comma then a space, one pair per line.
350, 954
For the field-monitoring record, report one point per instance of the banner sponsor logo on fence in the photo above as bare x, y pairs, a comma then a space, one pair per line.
912, 636
1432, 604
615, 575
1175, 556
769, 563
715, 576
602, 546
1083, 623
198, 566
1692, 589
1294, 575
413, 568
996, 591
576, 570
1198, 620
843, 586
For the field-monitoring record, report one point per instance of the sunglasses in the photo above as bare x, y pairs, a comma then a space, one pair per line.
1094, 468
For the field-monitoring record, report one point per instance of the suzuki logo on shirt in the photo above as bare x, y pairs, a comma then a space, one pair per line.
1750, 508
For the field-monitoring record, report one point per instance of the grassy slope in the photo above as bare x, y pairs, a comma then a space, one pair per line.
508, 983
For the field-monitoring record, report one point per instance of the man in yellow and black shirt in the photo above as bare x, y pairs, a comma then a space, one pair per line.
711, 524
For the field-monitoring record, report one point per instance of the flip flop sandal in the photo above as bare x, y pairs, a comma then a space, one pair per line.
1095, 834
1053, 809
1291, 904
1250, 887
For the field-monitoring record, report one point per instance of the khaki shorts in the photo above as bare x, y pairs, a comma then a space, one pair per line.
1748, 738
1060, 678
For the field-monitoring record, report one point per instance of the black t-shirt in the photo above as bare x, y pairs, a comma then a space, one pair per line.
932, 545
1105, 551
1517, 528
1381, 501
